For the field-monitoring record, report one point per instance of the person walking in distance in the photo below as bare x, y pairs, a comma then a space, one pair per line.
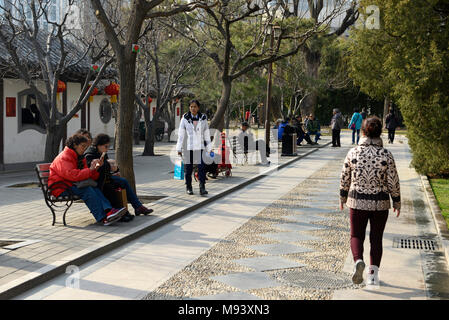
193, 137
336, 125
363, 113
355, 125
391, 123
368, 179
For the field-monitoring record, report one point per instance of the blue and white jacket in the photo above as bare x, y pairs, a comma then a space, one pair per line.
197, 138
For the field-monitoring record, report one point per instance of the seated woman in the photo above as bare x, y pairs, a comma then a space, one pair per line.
109, 177
70, 167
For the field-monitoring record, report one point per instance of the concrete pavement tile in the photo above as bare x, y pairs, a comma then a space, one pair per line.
296, 226
314, 210
266, 263
228, 296
16, 263
280, 248
248, 280
4, 271
289, 237
305, 218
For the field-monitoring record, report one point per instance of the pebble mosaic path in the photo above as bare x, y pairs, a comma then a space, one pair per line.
293, 249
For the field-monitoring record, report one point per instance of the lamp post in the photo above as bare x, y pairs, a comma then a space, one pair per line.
273, 31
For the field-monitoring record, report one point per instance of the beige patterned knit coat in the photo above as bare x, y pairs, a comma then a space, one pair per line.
369, 177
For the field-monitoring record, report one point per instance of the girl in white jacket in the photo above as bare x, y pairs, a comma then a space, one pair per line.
193, 138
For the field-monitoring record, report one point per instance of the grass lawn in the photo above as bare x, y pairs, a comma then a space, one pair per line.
441, 190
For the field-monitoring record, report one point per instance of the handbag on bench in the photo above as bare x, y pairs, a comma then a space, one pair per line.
85, 183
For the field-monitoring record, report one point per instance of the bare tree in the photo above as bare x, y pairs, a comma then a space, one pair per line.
312, 50
122, 35
38, 49
292, 75
216, 30
170, 62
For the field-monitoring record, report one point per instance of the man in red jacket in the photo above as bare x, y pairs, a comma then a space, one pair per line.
70, 167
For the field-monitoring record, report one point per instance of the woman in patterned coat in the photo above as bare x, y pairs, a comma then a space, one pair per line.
368, 179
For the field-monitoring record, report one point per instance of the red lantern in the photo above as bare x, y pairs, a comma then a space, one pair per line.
177, 111
149, 100
113, 90
94, 92
61, 88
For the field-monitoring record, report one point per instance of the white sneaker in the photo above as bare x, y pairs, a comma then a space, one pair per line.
357, 276
373, 276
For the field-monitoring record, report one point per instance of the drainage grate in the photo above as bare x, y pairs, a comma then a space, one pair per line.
415, 243
316, 279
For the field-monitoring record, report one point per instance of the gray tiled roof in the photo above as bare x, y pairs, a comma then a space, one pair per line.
76, 67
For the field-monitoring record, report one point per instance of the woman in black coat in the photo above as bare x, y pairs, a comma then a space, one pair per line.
109, 179
391, 123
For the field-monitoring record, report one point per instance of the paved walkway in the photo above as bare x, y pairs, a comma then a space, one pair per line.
289, 243
26, 217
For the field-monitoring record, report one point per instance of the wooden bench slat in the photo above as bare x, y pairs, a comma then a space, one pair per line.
43, 166
44, 174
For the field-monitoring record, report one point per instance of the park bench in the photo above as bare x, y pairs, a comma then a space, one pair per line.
56, 204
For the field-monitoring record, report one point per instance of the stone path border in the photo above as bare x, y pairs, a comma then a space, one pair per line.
440, 222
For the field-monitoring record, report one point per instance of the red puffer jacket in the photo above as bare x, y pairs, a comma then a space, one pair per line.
65, 168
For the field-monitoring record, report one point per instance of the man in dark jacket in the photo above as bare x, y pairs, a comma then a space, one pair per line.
300, 132
391, 123
313, 128
336, 125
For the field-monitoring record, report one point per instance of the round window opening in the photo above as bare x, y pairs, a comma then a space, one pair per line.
105, 111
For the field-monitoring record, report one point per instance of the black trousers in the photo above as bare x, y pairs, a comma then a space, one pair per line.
190, 158
391, 134
336, 137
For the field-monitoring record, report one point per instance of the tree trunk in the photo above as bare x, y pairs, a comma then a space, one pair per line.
136, 126
168, 115
149, 138
124, 144
53, 141
227, 118
218, 119
309, 104
312, 64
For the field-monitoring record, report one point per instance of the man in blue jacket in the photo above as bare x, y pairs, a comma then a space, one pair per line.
281, 128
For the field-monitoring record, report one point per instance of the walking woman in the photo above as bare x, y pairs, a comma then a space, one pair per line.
355, 125
194, 124
368, 179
